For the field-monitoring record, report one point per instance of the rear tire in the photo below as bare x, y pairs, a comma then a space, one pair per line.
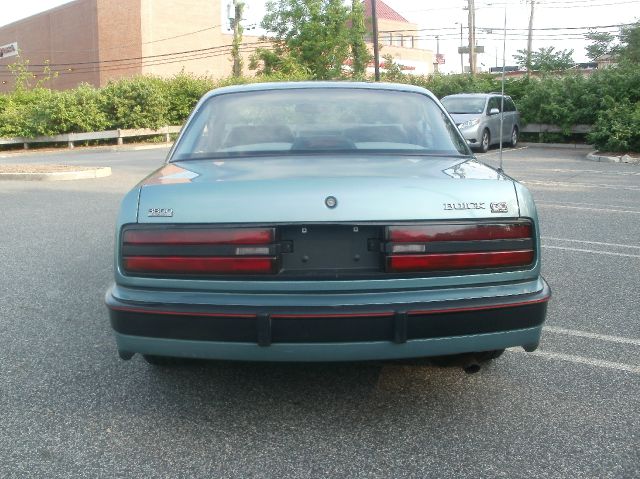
485, 141
514, 137
165, 361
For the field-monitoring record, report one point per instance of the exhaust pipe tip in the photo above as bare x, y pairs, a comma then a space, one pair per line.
472, 367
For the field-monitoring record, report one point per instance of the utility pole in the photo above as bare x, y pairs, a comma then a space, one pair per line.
376, 47
237, 37
461, 54
472, 36
437, 63
530, 37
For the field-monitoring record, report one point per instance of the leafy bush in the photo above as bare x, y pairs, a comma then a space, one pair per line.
78, 110
617, 127
183, 92
25, 113
138, 102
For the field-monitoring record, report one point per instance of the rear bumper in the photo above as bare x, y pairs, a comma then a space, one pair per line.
329, 333
325, 352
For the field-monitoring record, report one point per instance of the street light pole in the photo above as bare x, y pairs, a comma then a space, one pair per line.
472, 36
530, 38
238, 6
461, 55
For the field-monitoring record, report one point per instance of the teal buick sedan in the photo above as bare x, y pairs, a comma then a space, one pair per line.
325, 222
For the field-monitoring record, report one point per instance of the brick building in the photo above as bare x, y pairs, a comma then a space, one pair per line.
95, 41
400, 38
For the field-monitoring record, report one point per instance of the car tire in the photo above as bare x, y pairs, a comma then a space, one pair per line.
514, 137
485, 141
165, 361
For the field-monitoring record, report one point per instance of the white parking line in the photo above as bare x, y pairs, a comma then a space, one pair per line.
504, 150
581, 185
581, 250
630, 368
611, 210
586, 334
599, 172
615, 245
578, 203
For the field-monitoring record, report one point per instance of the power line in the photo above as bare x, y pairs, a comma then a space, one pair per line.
99, 62
570, 2
153, 60
588, 5
495, 5
150, 63
592, 27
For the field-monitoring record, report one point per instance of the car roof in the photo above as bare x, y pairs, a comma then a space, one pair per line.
475, 95
400, 87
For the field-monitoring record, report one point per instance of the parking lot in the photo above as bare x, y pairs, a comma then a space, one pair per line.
69, 407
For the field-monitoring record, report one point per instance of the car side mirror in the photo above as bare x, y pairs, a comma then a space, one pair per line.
494, 111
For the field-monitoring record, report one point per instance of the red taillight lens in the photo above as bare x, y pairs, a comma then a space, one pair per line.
455, 261
445, 247
177, 250
199, 265
199, 236
453, 232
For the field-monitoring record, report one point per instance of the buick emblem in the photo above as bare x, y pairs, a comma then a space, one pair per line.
164, 212
499, 207
331, 202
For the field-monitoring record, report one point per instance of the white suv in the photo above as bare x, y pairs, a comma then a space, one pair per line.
477, 115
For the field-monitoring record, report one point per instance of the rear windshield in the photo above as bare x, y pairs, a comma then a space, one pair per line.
464, 105
299, 121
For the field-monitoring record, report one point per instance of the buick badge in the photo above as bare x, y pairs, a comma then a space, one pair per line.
164, 212
499, 207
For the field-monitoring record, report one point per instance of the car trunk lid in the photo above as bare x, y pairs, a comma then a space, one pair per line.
302, 190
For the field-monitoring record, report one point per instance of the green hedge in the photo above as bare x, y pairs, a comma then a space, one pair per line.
608, 99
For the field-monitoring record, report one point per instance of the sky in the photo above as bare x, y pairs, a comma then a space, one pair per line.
443, 18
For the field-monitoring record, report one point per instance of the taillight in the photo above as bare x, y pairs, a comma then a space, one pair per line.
199, 251
200, 236
445, 247
459, 232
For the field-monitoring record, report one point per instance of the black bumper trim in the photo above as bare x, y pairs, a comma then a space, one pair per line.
394, 322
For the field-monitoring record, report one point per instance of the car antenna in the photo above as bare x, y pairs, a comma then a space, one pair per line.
504, 47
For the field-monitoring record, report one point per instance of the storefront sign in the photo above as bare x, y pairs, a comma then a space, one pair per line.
10, 50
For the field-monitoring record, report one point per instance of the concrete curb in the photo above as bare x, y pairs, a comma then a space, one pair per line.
100, 172
568, 146
594, 156
85, 149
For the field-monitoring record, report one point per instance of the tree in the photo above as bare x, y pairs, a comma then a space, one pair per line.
392, 71
23, 74
314, 34
630, 42
602, 43
359, 52
276, 60
546, 59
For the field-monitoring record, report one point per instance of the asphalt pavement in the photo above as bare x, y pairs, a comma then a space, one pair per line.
69, 407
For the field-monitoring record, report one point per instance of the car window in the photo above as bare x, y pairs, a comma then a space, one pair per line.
509, 105
494, 102
298, 121
457, 104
